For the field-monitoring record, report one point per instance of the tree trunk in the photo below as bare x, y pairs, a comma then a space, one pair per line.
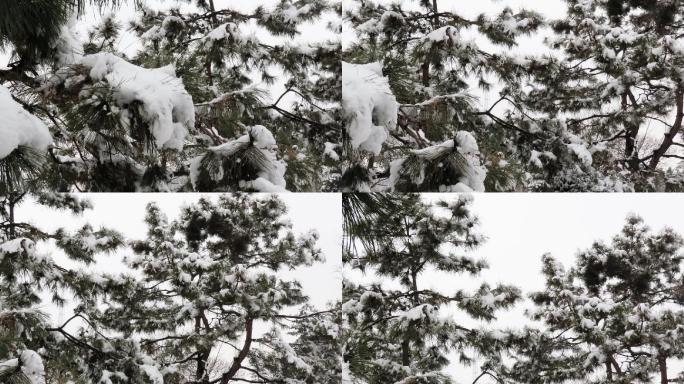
405, 353
670, 135
214, 24
662, 365
425, 72
405, 345
631, 132
616, 366
609, 371
242, 355
435, 19
201, 369
425, 68
12, 232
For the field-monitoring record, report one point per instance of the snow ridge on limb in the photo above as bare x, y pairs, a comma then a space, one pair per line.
165, 104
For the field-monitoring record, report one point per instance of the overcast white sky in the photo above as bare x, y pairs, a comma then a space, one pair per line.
522, 227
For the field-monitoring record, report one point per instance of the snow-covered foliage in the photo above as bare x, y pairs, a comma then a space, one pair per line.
208, 277
458, 157
253, 152
30, 343
133, 119
166, 106
401, 335
27, 362
235, 77
615, 316
18, 127
369, 106
431, 70
598, 109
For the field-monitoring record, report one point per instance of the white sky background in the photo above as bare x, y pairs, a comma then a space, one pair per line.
520, 228
125, 213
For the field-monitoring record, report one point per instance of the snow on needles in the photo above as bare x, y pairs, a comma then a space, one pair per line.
69, 48
271, 176
474, 173
17, 245
368, 104
31, 366
19, 128
167, 106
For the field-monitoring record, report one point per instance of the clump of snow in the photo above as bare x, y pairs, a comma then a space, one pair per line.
271, 177
261, 137
374, 25
346, 374
423, 311
106, 377
368, 105
153, 374
166, 105
292, 14
351, 306
594, 354
490, 301
223, 31
21, 244
535, 157
158, 32
368, 26
472, 179
330, 151
69, 48
443, 34
582, 153
32, 366
262, 185
19, 128
290, 354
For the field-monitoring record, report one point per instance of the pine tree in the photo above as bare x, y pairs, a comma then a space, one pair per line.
396, 335
207, 280
316, 357
219, 62
614, 317
31, 346
412, 120
184, 113
616, 87
23, 117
